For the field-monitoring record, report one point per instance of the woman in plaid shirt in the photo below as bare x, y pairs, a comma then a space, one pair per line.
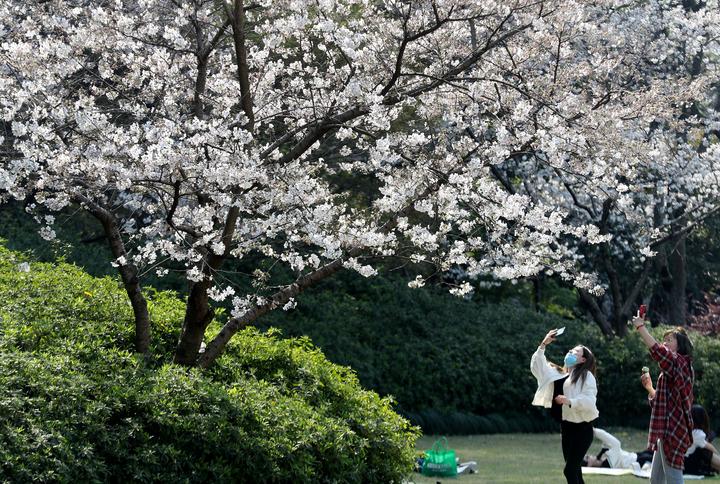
670, 420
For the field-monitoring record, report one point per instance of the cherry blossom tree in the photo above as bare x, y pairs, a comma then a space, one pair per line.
197, 132
665, 187
648, 216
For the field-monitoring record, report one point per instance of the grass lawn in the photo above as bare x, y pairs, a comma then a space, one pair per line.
526, 458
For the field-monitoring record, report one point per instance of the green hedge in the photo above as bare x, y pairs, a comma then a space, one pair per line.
77, 405
458, 366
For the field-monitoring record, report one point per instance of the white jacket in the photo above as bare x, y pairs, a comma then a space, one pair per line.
616, 456
582, 406
699, 441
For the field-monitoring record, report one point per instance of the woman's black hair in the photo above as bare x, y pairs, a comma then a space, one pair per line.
599, 456
580, 371
700, 418
684, 345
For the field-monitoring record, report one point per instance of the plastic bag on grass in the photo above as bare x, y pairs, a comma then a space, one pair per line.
439, 461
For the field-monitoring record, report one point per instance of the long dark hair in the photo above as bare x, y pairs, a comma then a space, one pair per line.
684, 345
581, 371
700, 418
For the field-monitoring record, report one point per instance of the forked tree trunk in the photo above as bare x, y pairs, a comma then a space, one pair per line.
198, 313
596, 312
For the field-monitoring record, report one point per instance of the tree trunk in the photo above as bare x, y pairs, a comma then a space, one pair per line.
661, 299
619, 324
596, 313
198, 314
670, 301
536, 293
623, 304
677, 304
128, 273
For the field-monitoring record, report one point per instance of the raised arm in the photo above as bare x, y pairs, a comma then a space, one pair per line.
549, 338
539, 365
660, 353
639, 323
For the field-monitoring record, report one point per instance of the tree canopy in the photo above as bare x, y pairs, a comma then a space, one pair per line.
332, 134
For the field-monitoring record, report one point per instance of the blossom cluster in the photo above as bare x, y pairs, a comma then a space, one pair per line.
458, 133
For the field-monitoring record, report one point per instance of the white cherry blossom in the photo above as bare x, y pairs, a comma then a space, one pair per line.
333, 134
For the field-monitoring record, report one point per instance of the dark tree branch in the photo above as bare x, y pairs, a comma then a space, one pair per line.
596, 312
128, 272
237, 20
280, 298
198, 312
328, 123
411, 38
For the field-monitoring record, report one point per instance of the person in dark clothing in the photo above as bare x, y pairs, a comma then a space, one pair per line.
702, 457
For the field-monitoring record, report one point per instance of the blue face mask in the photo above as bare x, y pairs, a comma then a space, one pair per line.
570, 360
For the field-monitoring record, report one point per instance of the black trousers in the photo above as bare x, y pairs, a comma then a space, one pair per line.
576, 441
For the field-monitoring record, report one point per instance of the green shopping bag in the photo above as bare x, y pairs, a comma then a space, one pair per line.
439, 461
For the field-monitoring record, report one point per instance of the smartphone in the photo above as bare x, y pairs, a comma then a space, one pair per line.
642, 310
560, 331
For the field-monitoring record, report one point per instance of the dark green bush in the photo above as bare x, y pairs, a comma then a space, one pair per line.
116, 420
77, 406
707, 371
455, 366
59, 308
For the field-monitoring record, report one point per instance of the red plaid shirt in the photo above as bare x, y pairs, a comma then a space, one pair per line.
670, 420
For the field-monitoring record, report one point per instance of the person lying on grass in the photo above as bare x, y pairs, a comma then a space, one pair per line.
613, 456
701, 458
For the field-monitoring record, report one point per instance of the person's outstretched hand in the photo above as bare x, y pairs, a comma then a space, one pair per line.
637, 320
549, 338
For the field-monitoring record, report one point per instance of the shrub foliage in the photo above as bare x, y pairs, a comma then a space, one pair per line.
77, 405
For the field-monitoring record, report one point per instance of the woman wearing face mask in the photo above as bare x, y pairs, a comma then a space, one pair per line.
570, 392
